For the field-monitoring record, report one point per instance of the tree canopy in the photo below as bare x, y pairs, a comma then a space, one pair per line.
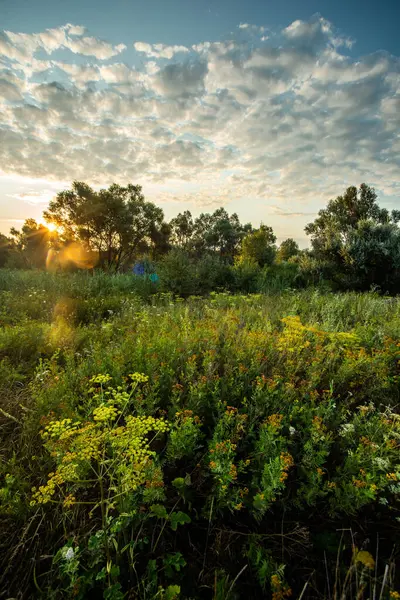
259, 246
355, 241
287, 249
115, 222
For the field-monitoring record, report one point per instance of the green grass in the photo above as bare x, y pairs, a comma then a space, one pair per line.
279, 468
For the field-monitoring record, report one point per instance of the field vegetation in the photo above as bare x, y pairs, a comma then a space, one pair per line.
228, 446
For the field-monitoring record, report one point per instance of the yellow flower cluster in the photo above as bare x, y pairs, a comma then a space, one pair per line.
138, 378
131, 439
127, 447
105, 413
60, 429
46, 492
286, 463
275, 420
100, 379
279, 590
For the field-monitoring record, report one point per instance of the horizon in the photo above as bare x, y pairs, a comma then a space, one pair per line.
268, 112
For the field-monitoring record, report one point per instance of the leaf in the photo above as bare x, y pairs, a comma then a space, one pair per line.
366, 559
159, 511
178, 483
172, 592
113, 592
101, 574
179, 518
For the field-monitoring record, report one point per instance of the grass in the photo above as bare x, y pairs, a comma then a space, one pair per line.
206, 448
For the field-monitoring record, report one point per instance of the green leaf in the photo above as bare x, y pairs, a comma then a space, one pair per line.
179, 518
178, 483
172, 592
113, 593
101, 574
159, 511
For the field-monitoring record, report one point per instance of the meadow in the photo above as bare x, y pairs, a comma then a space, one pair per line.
227, 447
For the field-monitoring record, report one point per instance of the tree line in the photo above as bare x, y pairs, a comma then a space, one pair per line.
355, 244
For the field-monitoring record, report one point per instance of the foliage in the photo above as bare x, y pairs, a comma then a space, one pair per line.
287, 249
218, 233
259, 247
209, 444
116, 222
356, 242
31, 244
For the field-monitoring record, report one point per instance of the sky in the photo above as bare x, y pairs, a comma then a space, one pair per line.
268, 108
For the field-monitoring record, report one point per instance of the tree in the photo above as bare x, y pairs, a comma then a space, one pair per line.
287, 249
219, 233
116, 222
32, 243
259, 246
351, 235
182, 228
342, 215
5, 249
372, 257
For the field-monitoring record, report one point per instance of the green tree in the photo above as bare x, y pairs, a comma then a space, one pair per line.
219, 233
182, 228
5, 249
287, 249
372, 257
351, 235
259, 246
116, 222
32, 243
331, 229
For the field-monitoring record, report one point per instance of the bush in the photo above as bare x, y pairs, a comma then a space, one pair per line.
245, 276
279, 277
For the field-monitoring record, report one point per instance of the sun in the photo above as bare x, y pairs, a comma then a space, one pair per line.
52, 227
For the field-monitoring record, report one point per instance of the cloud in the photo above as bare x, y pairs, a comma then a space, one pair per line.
277, 210
159, 50
183, 80
34, 197
286, 120
22, 46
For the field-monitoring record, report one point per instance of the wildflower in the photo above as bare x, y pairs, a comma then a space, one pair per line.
69, 555
105, 413
292, 430
138, 377
346, 429
69, 501
275, 420
391, 476
358, 483
394, 595
100, 379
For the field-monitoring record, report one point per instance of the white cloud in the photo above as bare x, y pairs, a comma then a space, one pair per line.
34, 197
159, 50
22, 46
286, 120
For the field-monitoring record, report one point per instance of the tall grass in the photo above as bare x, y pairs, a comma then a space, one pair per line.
282, 432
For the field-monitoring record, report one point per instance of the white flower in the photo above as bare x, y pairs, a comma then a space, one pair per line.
292, 430
382, 463
346, 429
69, 555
